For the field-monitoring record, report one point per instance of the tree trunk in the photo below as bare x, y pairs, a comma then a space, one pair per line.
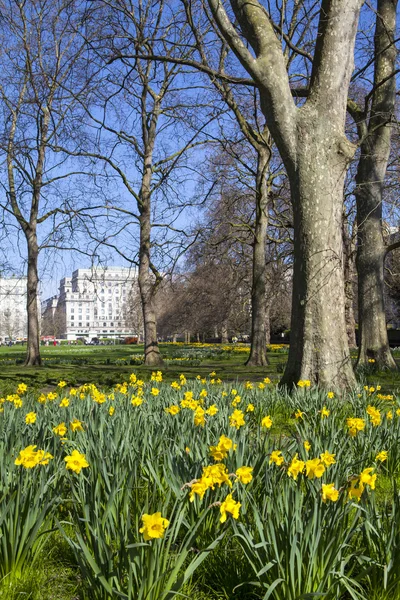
318, 343
258, 349
348, 270
33, 357
373, 340
374, 343
268, 321
224, 334
147, 286
349, 314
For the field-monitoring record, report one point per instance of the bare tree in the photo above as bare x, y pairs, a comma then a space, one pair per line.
41, 52
145, 127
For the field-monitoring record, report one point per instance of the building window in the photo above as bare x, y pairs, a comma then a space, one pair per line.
104, 324
80, 325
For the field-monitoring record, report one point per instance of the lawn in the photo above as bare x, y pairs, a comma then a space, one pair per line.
108, 365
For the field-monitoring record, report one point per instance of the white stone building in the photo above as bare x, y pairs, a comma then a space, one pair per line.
13, 315
94, 303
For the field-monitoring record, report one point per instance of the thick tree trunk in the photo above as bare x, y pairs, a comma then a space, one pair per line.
152, 356
374, 343
319, 350
258, 350
33, 357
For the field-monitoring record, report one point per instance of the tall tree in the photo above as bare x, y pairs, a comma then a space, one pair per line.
374, 122
257, 135
41, 53
316, 152
144, 129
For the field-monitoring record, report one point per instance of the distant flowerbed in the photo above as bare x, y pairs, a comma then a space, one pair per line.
153, 485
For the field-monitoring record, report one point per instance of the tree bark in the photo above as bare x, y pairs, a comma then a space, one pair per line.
349, 313
268, 321
349, 269
224, 334
258, 349
152, 356
318, 344
33, 357
375, 149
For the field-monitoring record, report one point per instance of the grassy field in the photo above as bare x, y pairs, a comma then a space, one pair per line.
108, 365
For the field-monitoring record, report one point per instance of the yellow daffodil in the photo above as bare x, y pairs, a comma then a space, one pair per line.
329, 492
244, 474
154, 526
276, 457
296, 467
266, 422
382, 456
76, 462
236, 419
229, 506
60, 429
30, 418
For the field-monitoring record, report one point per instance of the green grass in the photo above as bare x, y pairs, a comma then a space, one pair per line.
55, 576
99, 364
81, 364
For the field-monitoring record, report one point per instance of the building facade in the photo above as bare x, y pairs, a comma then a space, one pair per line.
13, 315
94, 303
